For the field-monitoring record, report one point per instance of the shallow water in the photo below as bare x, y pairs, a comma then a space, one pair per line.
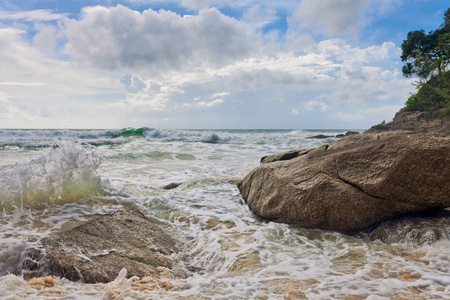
48, 178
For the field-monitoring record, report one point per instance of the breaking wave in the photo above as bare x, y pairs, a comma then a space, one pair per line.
134, 132
38, 138
61, 174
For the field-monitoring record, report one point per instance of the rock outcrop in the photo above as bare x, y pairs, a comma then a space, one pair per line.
96, 250
434, 123
353, 183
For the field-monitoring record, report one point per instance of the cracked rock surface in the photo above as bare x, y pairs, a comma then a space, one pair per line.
353, 183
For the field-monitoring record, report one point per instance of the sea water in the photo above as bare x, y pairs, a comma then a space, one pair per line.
50, 177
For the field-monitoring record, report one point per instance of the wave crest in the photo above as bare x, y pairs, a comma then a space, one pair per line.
62, 174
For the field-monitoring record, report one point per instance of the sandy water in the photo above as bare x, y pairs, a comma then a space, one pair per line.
48, 178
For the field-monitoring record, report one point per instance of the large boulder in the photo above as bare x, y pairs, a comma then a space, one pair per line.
96, 250
353, 183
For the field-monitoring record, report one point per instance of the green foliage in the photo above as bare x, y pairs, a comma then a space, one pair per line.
413, 102
428, 57
431, 95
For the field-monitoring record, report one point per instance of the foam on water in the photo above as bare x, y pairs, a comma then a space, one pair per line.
288, 138
229, 253
38, 139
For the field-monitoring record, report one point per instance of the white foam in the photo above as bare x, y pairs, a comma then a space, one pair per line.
229, 253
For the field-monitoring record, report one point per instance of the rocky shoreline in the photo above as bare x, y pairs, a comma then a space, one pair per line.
351, 184
358, 181
421, 122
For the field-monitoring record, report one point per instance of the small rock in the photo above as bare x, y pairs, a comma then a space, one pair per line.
42, 282
171, 186
320, 136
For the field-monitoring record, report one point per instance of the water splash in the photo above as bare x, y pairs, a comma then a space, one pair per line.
61, 174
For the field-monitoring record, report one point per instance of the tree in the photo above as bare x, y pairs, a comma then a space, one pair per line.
427, 56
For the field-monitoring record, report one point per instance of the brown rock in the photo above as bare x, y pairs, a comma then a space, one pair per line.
353, 183
435, 123
96, 251
351, 133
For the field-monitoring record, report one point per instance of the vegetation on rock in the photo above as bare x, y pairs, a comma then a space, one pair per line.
427, 56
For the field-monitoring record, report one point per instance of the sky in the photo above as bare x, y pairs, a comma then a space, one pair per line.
206, 64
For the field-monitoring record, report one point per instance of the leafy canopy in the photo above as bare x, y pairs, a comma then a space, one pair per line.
427, 56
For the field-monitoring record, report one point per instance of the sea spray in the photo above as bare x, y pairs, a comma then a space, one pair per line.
61, 174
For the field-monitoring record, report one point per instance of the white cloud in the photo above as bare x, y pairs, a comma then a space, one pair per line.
14, 83
195, 4
149, 66
204, 103
260, 16
45, 38
45, 92
327, 73
348, 117
215, 99
5, 106
222, 94
30, 16
287, 5
373, 115
334, 17
314, 105
120, 38
211, 103
353, 92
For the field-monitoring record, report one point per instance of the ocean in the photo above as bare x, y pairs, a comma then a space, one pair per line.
50, 177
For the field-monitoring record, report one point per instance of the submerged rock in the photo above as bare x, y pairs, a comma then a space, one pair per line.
353, 183
321, 136
96, 251
418, 229
172, 186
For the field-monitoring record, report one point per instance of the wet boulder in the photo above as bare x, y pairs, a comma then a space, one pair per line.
97, 250
353, 183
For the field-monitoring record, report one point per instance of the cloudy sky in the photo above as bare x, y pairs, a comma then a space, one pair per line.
206, 63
